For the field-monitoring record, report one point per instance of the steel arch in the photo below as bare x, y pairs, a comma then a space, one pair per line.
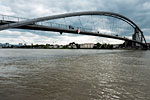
111, 14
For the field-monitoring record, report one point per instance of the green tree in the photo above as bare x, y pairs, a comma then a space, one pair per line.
98, 45
46, 46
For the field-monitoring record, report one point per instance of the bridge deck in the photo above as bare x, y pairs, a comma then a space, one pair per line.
65, 30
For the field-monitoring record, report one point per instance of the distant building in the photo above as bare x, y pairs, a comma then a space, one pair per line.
116, 46
60, 46
87, 45
74, 47
56, 46
20, 44
7, 45
51, 46
69, 46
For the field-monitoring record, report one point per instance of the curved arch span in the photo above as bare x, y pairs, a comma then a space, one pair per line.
111, 14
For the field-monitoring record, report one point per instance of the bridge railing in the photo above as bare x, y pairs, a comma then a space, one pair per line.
63, 26
48, 24
12, 18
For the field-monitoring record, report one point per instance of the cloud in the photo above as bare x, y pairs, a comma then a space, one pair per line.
6, 10
136, 10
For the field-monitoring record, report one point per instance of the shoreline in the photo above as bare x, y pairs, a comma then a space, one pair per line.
79, 49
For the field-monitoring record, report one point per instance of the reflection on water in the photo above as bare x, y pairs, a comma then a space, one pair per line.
74, 75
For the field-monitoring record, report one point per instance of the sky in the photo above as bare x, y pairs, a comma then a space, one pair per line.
136, 10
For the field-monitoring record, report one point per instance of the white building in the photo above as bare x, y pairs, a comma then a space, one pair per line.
87, 45
116, 46
56, 46
61, 46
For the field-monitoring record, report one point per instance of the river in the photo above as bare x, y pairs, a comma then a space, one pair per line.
49, 74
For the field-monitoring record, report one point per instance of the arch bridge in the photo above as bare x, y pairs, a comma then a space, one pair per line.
9, 22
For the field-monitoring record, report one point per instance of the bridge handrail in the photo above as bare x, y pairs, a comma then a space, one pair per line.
51, 24
17, 19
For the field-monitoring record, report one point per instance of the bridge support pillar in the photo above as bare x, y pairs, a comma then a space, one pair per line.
128, 44
137, 37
